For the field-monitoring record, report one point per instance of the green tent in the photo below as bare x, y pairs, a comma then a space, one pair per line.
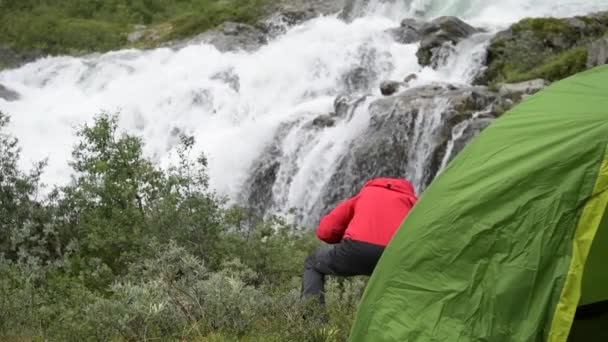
512, 237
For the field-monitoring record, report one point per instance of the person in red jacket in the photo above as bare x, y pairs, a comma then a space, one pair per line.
359, 229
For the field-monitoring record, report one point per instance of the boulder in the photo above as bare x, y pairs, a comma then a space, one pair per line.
324, 121
516, 91
390, 87
8, 94
439, 32
410, 77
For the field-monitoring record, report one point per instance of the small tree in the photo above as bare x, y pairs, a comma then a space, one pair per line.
103, 211
23, 229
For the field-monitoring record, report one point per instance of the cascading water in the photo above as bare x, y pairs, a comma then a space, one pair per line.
237, 104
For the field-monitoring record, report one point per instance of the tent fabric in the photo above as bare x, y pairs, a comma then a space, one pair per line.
586, 230
496, 246
595, 278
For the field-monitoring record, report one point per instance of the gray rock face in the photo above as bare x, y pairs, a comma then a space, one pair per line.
287, 13
12, 59
598, 53
8, 94
344, 105
353, 9
441, 32
324, 121
393, 143
516, 91
358, 80
230, 36
408, 32
413, 132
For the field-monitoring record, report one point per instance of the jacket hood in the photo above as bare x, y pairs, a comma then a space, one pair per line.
395, 184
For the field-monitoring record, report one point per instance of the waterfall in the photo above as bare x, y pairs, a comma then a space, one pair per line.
256, 110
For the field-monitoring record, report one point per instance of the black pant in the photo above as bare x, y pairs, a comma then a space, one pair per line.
348, 258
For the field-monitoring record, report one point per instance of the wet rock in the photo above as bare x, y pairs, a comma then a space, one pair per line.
288, 13
257, 194
412, 23
358, 80
410, 77
324, 121
443, 31
414, 132
353, 9
230, 36
8, 94
345, 104
408, 32
230, 78
395, 140
390, 87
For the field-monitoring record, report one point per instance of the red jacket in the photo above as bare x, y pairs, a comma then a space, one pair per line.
373, 216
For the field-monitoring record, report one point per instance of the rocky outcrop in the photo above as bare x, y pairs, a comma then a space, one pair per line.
437, 38
390, 87
10, 58
287, 13
412, 132
394, 138
8, 94
548, 48
597, 53
408, 32
441, 33
358, 80
353, 9
230, 36
517, 91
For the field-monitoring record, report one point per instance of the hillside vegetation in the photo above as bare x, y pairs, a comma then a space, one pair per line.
77, 26
131, 252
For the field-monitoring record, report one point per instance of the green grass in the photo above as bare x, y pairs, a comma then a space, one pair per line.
548, 48
542, 25
82, 26
554, 68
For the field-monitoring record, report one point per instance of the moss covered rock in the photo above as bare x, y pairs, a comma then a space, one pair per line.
548, 48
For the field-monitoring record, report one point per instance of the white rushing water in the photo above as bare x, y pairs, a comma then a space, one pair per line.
297, 75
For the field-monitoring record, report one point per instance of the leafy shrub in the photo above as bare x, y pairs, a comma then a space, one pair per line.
131, 252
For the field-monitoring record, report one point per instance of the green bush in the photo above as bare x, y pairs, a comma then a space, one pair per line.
129, 252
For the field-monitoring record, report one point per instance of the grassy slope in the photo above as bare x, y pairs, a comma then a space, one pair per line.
80, 26
515, 61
